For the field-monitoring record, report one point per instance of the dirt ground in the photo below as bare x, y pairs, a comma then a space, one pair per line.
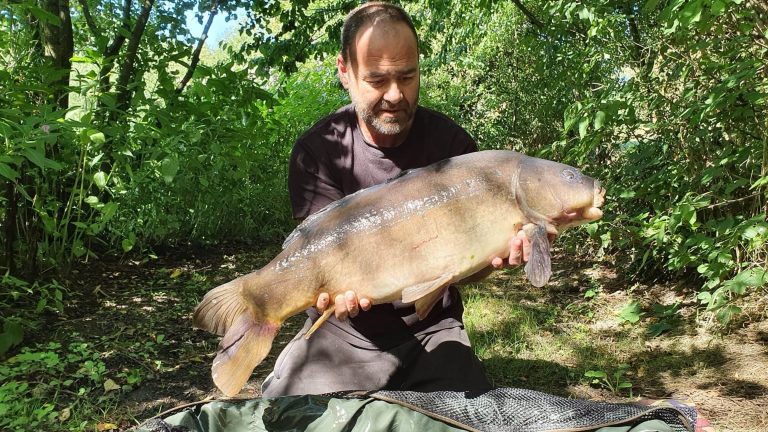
139, 313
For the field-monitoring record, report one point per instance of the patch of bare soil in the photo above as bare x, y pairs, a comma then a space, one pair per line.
139, 315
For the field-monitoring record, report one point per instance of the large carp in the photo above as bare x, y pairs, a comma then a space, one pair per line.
406, 239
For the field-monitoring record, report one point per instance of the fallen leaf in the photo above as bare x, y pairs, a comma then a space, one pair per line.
176, 273
110, 385
65, 414
106, 426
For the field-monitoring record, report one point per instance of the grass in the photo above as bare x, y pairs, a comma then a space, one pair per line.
549, 338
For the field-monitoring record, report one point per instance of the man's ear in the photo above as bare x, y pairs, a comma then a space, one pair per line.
341, 67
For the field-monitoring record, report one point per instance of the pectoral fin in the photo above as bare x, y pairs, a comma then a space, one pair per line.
539, 266
425, 295
323, 318
425, 304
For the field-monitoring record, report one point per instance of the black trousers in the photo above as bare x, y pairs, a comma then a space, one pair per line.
332, 361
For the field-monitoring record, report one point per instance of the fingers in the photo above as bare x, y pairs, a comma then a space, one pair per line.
516, 249
347, 305
526, 246
365, 304
322, 302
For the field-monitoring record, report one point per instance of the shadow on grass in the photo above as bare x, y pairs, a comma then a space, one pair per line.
544, 340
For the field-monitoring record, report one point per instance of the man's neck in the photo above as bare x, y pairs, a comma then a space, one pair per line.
381, 140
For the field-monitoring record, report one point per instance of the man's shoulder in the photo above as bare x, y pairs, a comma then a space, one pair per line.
331, 127
434, 118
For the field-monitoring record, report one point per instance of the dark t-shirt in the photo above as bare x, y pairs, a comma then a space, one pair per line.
332, 160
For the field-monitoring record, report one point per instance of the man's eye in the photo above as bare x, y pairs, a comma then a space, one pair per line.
376, 83
407, 78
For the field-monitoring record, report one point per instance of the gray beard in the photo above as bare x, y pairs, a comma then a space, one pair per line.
382, 126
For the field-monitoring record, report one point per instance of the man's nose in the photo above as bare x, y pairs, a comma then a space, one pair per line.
394, 94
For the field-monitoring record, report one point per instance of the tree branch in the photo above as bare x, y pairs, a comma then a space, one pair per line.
89, 19
128, 65
531, 17
116, 44
111, 51
196, 54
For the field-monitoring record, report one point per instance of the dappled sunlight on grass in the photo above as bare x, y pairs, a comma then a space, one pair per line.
549, 339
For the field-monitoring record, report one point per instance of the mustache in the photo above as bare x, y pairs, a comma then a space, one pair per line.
402, 105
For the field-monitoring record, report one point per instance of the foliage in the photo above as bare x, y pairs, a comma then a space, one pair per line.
614, 382
65, 379
124, 140
665, 102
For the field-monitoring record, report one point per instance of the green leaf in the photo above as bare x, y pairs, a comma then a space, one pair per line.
650, 5
657, 329
78, 248
13, 334
128, 242
599, 120
97, 137
754, 277
569, 122
100, 179
583, 125
8, 172
92, 200
44, 16
755, 230
168, 168
717, 7
37, 157
631, 312
691, 13
110, 385
726, 314
762, 181
595, 374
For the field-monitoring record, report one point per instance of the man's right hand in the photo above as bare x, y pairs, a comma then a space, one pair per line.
346, 305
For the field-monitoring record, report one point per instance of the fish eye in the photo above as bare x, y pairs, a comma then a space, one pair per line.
569, 174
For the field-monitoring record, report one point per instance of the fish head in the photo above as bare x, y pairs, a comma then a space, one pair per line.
558, 194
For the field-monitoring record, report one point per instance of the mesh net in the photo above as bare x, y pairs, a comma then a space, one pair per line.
511, 409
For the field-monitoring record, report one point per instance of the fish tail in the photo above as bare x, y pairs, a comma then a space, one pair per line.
244, 346
220, 307
247, 334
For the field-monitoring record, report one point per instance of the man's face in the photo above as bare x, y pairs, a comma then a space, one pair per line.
383, 77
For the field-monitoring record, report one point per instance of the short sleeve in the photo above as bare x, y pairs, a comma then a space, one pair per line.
311, 184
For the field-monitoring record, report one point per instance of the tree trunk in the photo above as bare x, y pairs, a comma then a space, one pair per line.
127, 68
10, 227
58, 47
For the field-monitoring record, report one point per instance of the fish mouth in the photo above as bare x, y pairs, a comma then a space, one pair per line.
589, 213
598, 199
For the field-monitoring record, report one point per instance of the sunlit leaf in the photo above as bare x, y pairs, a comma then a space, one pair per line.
583, 125
110, 385
168, 168
631, 313
751, 278
97, 137
100, 180
599, 120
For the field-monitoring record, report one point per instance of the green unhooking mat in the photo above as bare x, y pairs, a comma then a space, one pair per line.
504, 409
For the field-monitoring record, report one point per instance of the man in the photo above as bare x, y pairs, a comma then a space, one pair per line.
382, 133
